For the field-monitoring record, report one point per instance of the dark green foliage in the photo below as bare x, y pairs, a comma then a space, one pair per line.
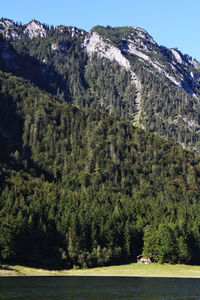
83, 188
111, 89
169, 111
57, 71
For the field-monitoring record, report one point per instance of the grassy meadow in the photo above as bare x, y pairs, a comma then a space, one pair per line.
152, 270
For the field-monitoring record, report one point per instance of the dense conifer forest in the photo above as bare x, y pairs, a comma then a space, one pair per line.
80, 187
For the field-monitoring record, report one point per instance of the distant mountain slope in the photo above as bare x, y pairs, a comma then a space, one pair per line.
119, 70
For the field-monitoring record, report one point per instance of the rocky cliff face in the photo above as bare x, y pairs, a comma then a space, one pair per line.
34, 29
13, 31
94, 43
180, 69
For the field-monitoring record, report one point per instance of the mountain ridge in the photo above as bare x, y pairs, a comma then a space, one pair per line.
161, 87
6, 24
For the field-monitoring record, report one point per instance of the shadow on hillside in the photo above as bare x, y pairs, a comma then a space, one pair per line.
42, 75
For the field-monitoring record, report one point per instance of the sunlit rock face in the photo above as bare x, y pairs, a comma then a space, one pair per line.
34, 29
9, 29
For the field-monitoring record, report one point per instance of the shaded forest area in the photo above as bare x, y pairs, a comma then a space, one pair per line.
82, 188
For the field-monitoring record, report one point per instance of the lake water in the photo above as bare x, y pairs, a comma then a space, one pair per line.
47, 288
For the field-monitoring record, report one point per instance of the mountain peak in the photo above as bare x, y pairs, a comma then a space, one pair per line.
8, 28
121, 33
34, 29
72, 30
12, 31
142, 33
4, 23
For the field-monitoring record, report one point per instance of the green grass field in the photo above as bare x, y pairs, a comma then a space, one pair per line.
152, 270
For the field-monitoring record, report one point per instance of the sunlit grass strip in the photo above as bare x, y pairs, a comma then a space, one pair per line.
152, 270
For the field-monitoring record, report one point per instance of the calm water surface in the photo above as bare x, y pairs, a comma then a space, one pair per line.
98, 288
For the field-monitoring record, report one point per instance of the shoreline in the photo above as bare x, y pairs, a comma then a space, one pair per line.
97, 275
154, 270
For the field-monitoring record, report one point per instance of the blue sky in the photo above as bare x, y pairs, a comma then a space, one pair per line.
172, 23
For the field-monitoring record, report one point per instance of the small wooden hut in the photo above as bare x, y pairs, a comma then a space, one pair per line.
141, 259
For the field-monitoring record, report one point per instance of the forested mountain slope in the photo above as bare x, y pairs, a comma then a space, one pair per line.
80, 187
122, 71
